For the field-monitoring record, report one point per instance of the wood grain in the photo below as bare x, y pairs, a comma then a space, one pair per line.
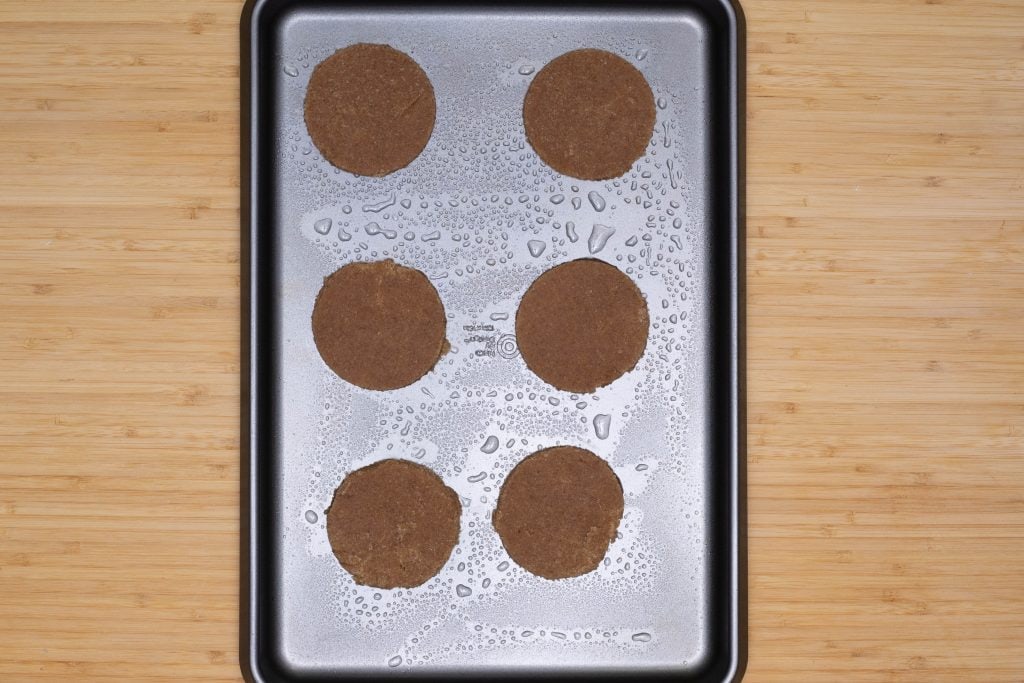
885, 340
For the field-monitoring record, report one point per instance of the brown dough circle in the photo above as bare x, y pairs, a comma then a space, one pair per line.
558, 511
589, 114
393, 524
370, 109
379, 325
582, 325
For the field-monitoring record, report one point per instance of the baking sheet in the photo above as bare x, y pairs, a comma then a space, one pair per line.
482, 216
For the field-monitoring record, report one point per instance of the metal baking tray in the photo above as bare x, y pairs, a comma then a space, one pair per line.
483, 217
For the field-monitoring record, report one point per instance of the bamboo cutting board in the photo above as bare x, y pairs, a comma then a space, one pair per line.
885, 340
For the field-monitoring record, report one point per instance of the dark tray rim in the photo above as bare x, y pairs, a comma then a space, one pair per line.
728, 664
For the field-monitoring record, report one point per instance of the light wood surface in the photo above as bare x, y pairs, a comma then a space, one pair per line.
885, 340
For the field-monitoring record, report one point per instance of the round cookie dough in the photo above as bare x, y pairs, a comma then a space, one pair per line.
558, 511
582, 325
369, 109
379, 325
393, 524
589, 114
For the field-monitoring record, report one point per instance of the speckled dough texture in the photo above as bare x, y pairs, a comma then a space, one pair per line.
589, 114
379, 325
558, 511
582, 325
393, 524
370, 109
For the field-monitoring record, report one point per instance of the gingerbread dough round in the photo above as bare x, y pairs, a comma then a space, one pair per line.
370, 109
393, 524
589, 114
379, 325
558, 511
582, 325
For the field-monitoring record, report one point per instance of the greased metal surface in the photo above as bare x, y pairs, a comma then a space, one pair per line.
482, 216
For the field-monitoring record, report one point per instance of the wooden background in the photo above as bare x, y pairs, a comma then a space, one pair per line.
886, 340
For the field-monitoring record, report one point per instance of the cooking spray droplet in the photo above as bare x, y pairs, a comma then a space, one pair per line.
395, 661
322, 226
662, 103
463, 591
596, 200
642, 637
486, 583
291, 70
558, 199
311, 517
420, 452
577, 202
490, 444
536, 247
432, 236
599, 237
671, 174
499, 316
372, 229
406, 204
602, 425
677, 223
525, 70
558, 634
641, 467
570, 231
477, 477
381, 205
502, 566
631, 242
641, 54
